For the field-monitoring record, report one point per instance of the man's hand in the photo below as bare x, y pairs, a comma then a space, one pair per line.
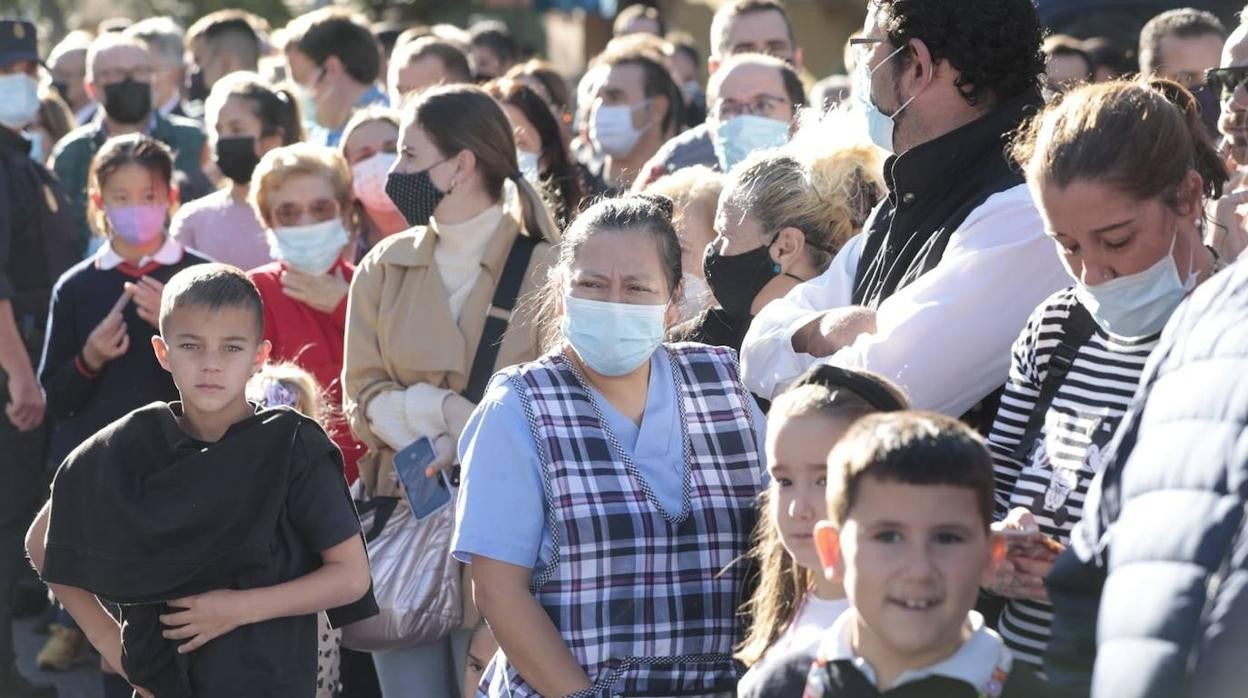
833, 330
323, 292
205, 617
1020, 575
26, 405
147, 293
106, 342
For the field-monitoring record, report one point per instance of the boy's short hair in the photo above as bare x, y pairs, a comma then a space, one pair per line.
211, 286
911, 448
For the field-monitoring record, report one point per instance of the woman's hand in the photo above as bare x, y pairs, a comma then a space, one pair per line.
324, 292
456, 409
444, 451
204, 617
147, 294
106, 342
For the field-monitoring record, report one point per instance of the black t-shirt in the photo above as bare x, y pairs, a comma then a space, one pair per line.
278, 657
142, 514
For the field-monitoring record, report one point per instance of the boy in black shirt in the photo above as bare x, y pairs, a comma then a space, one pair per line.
910, 502
218, 530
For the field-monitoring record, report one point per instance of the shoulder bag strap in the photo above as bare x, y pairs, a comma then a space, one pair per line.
1077, 329
505, 295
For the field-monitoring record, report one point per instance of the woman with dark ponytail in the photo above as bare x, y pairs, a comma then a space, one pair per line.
1121, 172
246, 118
432, 313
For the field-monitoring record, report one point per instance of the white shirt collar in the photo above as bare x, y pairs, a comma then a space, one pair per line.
982, 661
169, 253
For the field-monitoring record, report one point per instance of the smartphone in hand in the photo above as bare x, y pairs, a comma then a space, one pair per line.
425, 495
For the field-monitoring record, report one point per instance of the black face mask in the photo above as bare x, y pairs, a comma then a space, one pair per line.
128, 101
196, 90
736, 280
236, 157
414, 194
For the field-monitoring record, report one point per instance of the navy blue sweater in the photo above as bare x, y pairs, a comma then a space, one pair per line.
80, 403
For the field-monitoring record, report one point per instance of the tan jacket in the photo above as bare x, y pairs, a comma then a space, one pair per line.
400, 330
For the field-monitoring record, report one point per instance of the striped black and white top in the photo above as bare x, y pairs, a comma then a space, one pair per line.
1053, 477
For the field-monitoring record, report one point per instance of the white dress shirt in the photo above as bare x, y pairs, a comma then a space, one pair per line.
945, 338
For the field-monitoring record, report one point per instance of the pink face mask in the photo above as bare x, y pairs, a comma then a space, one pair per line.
137, 225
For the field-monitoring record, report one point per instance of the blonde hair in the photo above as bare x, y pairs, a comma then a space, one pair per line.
822, 183
696, 187
286, 383
280, 164
840, 394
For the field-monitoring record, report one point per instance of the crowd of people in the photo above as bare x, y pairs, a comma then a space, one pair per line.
352, 360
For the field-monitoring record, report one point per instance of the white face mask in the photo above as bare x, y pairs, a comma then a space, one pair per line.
530, 166
19, 100
368, 183
613, 339
880, 126
613, 131
312, 249
1139, 305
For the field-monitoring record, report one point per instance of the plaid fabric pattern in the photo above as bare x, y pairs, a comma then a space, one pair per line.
646, 599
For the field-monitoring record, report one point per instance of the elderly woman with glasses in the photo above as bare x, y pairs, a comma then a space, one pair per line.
302, 196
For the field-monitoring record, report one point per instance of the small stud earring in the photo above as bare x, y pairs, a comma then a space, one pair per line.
776, 267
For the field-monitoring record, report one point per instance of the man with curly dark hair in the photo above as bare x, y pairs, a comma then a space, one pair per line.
955, 258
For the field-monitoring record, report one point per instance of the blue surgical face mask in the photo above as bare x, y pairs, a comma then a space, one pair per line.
880, 126
1140, 304
739, 136
312, 249
613, 339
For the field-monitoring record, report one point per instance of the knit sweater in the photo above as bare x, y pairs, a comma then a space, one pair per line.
81, 401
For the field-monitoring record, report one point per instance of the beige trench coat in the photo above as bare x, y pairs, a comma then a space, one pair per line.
400, 330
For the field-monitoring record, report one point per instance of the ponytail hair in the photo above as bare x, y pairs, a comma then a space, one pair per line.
1142, 138
276, 108
465, 117
831, 393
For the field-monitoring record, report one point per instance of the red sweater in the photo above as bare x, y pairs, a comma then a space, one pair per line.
312, 340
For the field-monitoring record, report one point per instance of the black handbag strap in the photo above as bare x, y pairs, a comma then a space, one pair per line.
1077, 328
505, 295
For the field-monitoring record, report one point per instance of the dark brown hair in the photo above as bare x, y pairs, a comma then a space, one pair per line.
333, 31
464, 117
657, 80
119, 151
276, 108
564, 176
1141, 138
910, 448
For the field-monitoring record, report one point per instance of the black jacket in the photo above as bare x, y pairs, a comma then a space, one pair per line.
932, 188
1164, 526
38, 238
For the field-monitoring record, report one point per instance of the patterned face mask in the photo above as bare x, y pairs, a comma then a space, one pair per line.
415, 194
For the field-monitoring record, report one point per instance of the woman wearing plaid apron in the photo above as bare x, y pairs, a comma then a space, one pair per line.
609, 487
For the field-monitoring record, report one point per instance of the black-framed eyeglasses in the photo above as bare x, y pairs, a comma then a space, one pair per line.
1226, 80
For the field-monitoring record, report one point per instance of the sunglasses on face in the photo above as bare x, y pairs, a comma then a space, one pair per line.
1226, 80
